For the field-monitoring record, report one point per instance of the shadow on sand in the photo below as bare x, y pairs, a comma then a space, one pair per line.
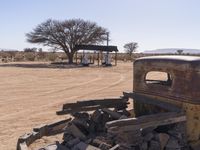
43, 65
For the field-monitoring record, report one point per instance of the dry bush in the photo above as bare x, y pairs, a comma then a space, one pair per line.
61, 56
51, 56
41, 56
29, 56
19, 56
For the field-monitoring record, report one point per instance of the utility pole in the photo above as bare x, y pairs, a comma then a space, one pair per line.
107, 54
107, 37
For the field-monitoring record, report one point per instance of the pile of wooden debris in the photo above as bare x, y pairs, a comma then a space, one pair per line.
109, 125
98, 132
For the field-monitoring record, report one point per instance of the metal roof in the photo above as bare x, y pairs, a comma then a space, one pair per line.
97, 47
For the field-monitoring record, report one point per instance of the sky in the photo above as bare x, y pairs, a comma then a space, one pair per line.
153, 24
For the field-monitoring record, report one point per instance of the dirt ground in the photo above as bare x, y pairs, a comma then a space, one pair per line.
31, 93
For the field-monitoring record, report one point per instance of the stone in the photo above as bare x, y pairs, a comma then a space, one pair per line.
67, 136
147, 130
61, 147
123, 117
131, 138
163, 139
92, 127
76, 132
175, 134
88, 141
105, 118
82, 124
148, 137
84, 146
154, 145
172, 143
144, 146
73, 142
97, 116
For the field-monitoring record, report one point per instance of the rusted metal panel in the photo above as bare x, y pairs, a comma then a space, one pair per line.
185, 72
155, 100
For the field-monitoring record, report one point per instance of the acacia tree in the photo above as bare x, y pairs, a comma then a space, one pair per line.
64, 35
180, 51
130, 48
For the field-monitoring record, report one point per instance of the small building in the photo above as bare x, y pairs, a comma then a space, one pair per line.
103, 52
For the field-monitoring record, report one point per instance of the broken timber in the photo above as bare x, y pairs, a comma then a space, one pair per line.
38, 132
155, 120
117, 103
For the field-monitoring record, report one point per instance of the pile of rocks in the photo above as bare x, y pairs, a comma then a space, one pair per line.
90, 131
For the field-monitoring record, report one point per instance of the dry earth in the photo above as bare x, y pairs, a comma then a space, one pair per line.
32, 93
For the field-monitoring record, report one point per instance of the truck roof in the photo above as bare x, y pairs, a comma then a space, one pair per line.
183, 70
171, 58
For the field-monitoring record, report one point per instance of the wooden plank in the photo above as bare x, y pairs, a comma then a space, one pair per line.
92, 108
57, 127
95, 102
90, 105
145, 121
68, 111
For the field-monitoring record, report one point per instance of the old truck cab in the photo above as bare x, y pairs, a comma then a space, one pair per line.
168, 83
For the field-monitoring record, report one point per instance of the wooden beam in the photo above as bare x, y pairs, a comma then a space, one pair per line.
118, 103
130, 124
109, 101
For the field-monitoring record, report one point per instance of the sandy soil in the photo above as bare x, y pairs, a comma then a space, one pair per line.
32, 93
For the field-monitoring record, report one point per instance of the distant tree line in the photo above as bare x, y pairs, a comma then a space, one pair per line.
33, 49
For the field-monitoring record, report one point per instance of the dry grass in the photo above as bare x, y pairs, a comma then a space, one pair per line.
30, 96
